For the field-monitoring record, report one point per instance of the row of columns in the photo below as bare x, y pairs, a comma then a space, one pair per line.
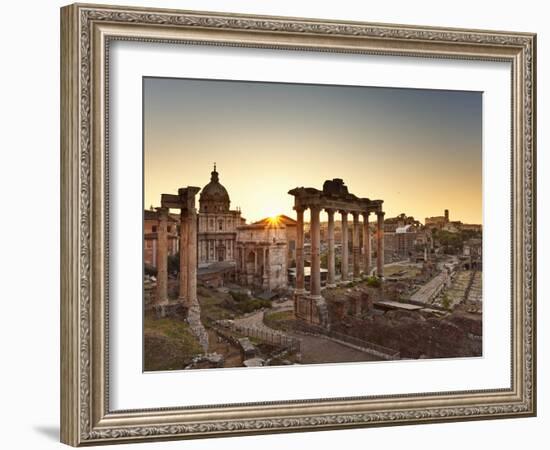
315, 233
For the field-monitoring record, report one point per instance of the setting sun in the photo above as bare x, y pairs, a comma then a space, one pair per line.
274, 220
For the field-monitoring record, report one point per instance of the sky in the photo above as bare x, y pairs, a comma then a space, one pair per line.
418, 150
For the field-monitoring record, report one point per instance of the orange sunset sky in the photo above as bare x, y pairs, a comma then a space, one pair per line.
418, 150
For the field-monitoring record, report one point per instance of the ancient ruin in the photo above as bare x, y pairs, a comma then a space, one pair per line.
185, 202
311, 306
281, 291
262, 255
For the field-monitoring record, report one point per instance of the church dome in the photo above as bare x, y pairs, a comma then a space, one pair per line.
214, 197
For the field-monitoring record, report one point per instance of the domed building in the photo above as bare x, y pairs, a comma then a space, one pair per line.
217, 223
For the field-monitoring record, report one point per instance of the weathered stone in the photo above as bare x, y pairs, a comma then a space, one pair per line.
196, 326
380, 244
331, 254
315, 252
249, 350
253, 362
264, 249
215, 359
299, 249
345, 252
356, 247
175, 310
366, 244
162, 257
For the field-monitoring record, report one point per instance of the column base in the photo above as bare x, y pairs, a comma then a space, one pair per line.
311, 309
165, 309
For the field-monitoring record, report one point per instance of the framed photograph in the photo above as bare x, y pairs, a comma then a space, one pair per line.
274, 224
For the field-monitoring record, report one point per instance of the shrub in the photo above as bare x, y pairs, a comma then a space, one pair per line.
245, 304
373, 282
150, 270
445, 301
239, 296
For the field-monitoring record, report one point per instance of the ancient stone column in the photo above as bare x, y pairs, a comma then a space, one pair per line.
162, 256
380, 244
255, 264
192, 255
315, 251
184, 253
355, 246
244, 272
299, 249
345, 270
265, 282
267, 268
331, 256
366, 244
237, 257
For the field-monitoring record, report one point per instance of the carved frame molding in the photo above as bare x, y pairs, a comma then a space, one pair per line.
86, 31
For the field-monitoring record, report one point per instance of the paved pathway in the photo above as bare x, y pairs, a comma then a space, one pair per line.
317, 350
314, 349
255, 320
428, 291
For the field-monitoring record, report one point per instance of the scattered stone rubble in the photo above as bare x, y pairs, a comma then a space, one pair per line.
208, 360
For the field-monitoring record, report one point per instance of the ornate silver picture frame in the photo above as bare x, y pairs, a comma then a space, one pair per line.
87, 32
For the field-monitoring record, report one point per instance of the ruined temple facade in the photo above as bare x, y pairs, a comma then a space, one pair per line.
217, 227
334, 198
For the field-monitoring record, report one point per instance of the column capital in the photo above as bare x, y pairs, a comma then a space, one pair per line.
315, 207
380, 213
330, 211
355, 215
343, 212
366, 214
299, 209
